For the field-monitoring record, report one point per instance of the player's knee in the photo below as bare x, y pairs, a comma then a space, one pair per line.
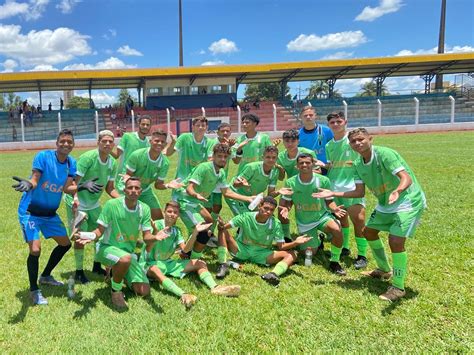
125, 260
216, 209
141, 290
200, 264
35, 250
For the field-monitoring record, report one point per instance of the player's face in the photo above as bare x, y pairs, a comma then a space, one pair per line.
171, 214
200, 128
145, 126
106, 144
309, 116
65, 144
224, 132
158, 143
305, 165
269, 159
248, 125
337, 125
361, 143
133, 190
266, 209
220, 159
290, 143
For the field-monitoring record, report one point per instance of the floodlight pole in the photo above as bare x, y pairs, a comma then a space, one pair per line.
442, 28
180, 35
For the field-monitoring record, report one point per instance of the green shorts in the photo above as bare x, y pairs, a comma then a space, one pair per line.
348, 202
216, 198
400, 224
109, 255
190, 214
254, 254
237, 207
149, 198
170, 267
89, 225
314, 233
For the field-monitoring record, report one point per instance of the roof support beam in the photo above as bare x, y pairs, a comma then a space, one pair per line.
332, 80
380, 78
290, 76
192, 79
428, 77
239, 81
39, 92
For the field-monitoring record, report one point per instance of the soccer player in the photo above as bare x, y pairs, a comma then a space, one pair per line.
314, 214
151, 166
314, 136
53, 173
96, 165
119, 225
158, 261
401, 202
287, 157
257, 233
129, 143
340, 158
249, 146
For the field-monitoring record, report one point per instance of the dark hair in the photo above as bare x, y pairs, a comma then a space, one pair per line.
303, 155
221, 148
291, 134
159, 132
65, 132
270, 200
360, 130
199, 119
251, 117
223, 125
335, 114
141, 118
132, 178
172, 204
270, 149
306, 108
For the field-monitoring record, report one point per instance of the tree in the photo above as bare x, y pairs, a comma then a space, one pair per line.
13, 101
370, 89
122, 98
78, 102
318, 89
266, 91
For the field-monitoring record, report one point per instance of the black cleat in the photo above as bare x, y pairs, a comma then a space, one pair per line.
81, 277
271, 278
360, 262
97, 269
345, 252
222, 271
336, 268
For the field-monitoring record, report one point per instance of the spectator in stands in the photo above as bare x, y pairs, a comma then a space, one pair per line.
50, 107
91, 104
14, 133
113, 117
39, 109
10, 115
61, 104
256, 103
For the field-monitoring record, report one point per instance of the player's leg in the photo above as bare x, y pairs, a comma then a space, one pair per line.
282, 260
225, 243
78, 248
346, 231
150, 199
356, 213
285, 225
136, 278
202, 237
89, 226
332, 227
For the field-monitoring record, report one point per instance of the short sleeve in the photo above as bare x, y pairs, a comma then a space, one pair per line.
39, 162
104, 217
123, 143
278, 236
357, 178
72, 170
273, 178
266, 141
247, 172
197, 175
132, 162
113, 171
237, 221
83, 165
287, 197
145, 222
179, 236
222, 182
391, 161
163, 169
328, 153
180, 142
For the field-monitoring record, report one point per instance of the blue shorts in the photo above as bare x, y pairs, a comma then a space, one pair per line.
31, 227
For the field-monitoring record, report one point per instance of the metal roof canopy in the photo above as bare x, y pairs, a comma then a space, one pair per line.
244, 74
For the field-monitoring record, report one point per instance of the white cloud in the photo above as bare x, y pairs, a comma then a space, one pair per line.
312, 42
109, 34
66, 6
31, 10
9, 65
223, 46
126, 50
36, 9
100, 98
42, 47
385, 7
202, 51
338, 55
213, 62
447, 49
110, 63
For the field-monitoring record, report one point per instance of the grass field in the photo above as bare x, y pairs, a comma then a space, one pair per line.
311, 311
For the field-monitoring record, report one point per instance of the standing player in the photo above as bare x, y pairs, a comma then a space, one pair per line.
340, 169
96, 165
401, 202
129, 143
314, 214
257, 233
287, 157
53, 172
158, 261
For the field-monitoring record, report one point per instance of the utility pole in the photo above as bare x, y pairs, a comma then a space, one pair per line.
442, 27
180, 35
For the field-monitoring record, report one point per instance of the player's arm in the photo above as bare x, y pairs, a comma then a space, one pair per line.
170, 148
110, 189
239, 152
357, 193
228, 193
98, 233
25, 185
70, 187
295, 243
405, 182
116, 153
338, 211
281, 172
173, 184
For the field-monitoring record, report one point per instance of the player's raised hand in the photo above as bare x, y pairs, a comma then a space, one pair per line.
393, 197
242, 181
284, 211
323, 193
174, 184
319, 163
162, 234
285, 191
23, 185
231, 141
243, 144
91, 186
220, 223
302, 239
172, 136
339, 211
200, 227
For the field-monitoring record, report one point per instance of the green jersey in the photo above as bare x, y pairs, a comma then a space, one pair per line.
129, 143
253, 150
290, 164
308, 209
163, 249
206, 180
210, 153
257, 179
190, 153
90, 166
122, 225
148, 170
255, 233
341, 156
379, 175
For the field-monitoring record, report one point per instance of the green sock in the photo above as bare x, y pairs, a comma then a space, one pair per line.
214, 221
286, 230
400, 261
116, 286
222, 254
345, 237
79, 258
335, 253
280, 268
379, 254
361, 246
207, 278
196, 255
170, 286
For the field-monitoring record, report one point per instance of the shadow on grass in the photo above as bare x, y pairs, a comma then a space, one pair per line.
24, 298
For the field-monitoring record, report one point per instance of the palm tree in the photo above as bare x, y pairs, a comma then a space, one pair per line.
370, 89
319, 89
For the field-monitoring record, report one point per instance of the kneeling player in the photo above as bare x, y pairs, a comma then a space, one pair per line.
157, 259
256, 235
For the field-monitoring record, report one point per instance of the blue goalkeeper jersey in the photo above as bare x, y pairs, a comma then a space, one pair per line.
45, 199
316, 140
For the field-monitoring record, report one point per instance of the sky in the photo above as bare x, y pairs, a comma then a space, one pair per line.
112, 34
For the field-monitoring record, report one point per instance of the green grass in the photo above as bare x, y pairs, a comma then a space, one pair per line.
311, 311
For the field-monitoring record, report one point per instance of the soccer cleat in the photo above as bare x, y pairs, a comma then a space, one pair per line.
229, 291
345, 252
37, 298
336, 268
212, 242
81, 277
188, 300
97, 269
393, 294
50, 280
271, 278
378, 274
360, 262
118, 300
222, 271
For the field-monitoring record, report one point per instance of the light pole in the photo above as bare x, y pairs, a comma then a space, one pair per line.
442, 27
180, 35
